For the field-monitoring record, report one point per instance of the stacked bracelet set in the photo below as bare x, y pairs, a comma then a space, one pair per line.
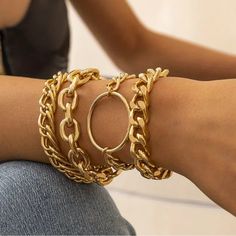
76, 164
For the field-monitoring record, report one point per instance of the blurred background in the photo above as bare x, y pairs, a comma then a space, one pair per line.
173, 206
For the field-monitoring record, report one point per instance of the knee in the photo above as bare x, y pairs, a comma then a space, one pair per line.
36, 183
23, 193
36, 198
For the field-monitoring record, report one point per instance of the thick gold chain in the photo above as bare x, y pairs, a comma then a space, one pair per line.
46, 122
139, 119
101, 174
76, 165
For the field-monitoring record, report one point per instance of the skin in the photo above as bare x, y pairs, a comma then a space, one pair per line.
134, 48
197, 118
131, 45
192, 128
12, 12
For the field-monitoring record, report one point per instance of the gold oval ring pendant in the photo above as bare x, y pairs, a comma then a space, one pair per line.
91, 109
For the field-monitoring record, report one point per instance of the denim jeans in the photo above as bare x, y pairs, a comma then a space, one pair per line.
35, 198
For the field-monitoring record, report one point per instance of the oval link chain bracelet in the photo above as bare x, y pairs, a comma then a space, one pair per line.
46, 122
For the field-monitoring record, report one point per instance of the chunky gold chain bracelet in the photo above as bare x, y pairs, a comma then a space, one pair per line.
139, 119
101, 174
76, 165
46, 123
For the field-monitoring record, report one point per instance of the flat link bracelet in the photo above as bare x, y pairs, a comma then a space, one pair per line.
139, 119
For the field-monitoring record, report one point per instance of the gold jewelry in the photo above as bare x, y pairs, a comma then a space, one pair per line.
139, 119
101, 174
107, 151
77, 165
46, 123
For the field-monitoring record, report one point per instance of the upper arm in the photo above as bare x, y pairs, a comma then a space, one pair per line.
113, 23
12, 12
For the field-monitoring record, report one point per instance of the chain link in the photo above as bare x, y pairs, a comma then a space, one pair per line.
139, 119
112, 87
46, 123
76, 165
102, 174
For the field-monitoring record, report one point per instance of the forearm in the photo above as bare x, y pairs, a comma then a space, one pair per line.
20, 137
183, 58
19, 133
192, 128
196, 135
133, 47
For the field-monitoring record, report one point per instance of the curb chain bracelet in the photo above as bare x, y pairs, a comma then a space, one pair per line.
139, 119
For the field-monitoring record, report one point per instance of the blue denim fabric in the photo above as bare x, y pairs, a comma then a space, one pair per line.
35, 199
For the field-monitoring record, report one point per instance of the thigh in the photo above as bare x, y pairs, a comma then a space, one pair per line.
35, 198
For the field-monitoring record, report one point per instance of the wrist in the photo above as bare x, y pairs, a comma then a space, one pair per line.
109, 121
175, 103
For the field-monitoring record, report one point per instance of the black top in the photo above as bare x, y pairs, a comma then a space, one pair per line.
38, 46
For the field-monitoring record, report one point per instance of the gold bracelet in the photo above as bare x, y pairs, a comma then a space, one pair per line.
46, 123
101, 174
108, 151
77, 165
139, 119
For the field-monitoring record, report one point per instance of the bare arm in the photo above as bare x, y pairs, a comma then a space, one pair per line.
12, 12
192, 124
133, 47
